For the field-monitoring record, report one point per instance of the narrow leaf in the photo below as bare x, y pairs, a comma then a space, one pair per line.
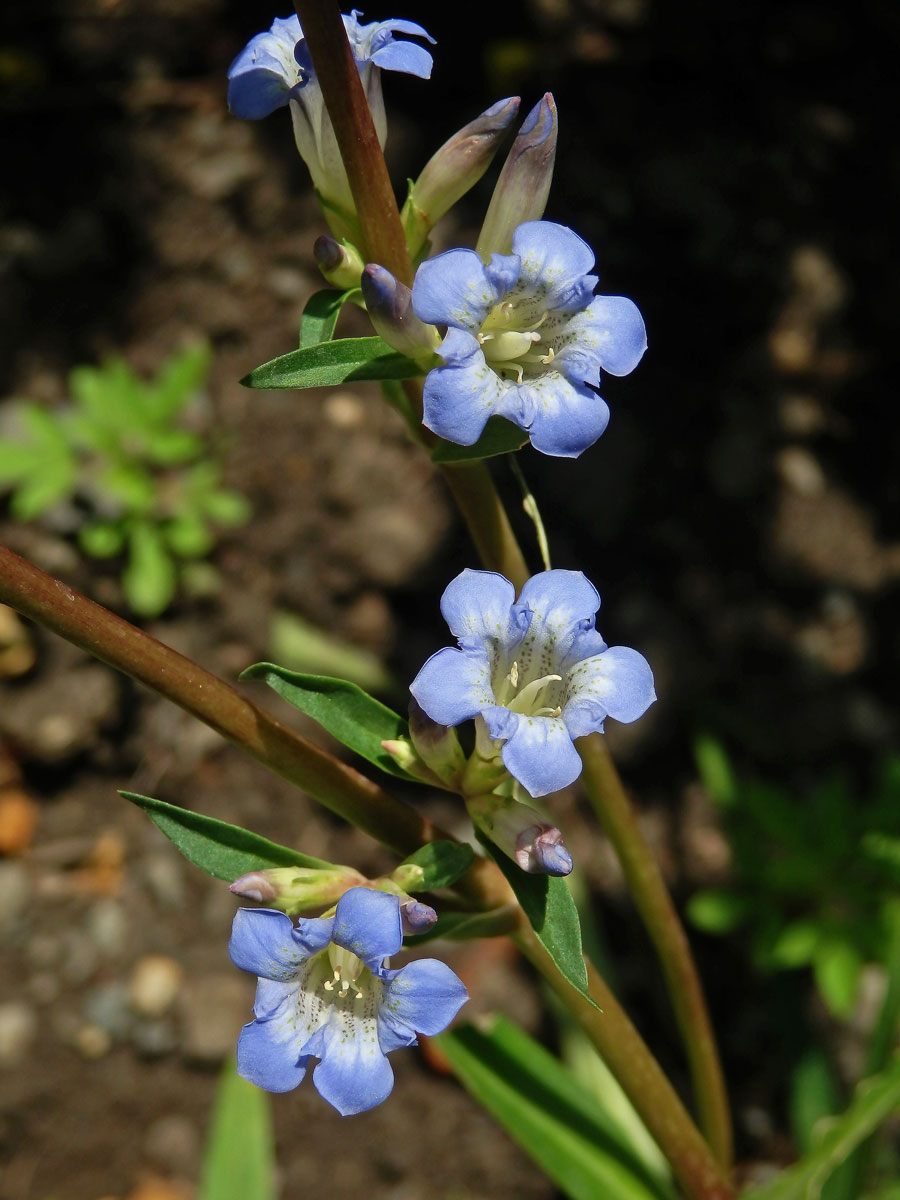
876, 1099
548, 905
500, 437
223, 850
239, 1163
353, 717
550, 1114
320, 316
442, 862
329, 363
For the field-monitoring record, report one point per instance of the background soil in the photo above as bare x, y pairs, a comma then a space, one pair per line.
737, 173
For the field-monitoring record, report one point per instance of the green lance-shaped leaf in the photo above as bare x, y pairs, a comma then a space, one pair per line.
226, 851
349, 360
239, 1163
876, 1099
544, 1108
321, 314
500, 437
353, 717
549, 907
437, 865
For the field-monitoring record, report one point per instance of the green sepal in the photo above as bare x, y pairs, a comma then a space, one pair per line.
552, 1116
225, 851
353, 717
347, 360
320, 315
549, 907
500, 437
441, 864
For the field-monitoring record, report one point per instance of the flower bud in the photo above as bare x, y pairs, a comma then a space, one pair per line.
454, 169
297, 889
340, 262
436, 745
521, 833
416, 917
524, 184
389, 304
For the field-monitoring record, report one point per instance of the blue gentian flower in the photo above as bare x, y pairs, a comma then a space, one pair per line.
325, 992
526, 339
535, 671
275, 69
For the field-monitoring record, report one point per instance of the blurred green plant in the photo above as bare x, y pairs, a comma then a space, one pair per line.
814, 876
137, 484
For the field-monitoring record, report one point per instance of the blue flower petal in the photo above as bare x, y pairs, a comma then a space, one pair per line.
367, 923
555, 259
354, 1074
274, 995
453, 289
263, 943
453, 685
404, 56
567, 417
458, 399
267, 1059
477, 606
617, 683
423, 997
562, 603
614, 330
538, 751
265, 75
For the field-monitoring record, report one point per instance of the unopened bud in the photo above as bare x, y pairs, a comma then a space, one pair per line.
521, 833
454, 169
297, 889
436, 745
404, 755
340, 262
524, 184
389, 304
416, 917
540, 850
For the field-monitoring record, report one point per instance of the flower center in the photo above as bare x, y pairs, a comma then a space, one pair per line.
507, 347
347, 970
537, 698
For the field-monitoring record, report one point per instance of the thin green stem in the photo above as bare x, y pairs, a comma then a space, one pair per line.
647, 887
625, 1053
383, 238
482, 510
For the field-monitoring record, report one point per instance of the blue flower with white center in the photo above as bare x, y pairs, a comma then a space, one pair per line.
275, 69
324, 992
526, 339
535, 671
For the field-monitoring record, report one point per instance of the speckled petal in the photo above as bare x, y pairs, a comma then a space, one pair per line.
538, 751
617, 683
556, 262
459, 398
454, 685
613, 330
354, 1074
367, 923
262, 942
454, 289
423, 997
567, 417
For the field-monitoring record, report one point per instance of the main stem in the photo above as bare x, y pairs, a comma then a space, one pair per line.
625, 1053
481, 508
646, 884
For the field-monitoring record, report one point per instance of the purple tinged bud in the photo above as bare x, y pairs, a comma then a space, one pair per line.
416, 917
389, 304
341, 263
454, 169
524, 185
297, 889
540, 850
254, 886
521, 833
